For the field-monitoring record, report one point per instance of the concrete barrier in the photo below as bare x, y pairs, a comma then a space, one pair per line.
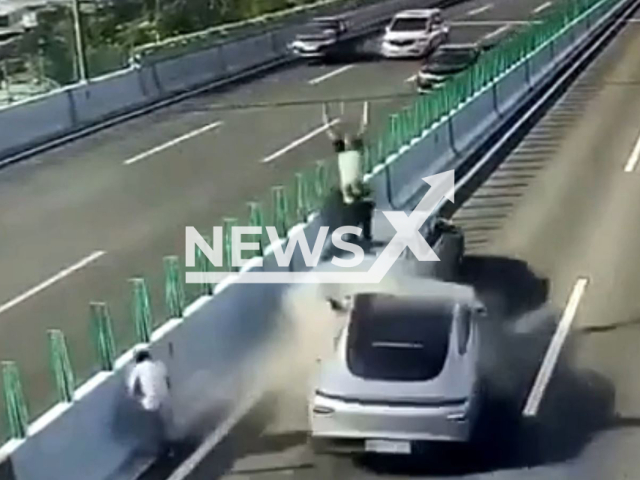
250, 52
473, 119
511, 87
433, 152
36, 120
109, 95
182, 73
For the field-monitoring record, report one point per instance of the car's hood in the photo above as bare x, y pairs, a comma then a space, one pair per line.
455, 382
315, 37
404, 35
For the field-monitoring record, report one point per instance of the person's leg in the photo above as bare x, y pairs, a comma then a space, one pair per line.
365, 214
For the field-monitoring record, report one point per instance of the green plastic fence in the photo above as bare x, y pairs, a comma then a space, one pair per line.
293, 203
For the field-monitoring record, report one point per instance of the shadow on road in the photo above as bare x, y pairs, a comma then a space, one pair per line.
581, 404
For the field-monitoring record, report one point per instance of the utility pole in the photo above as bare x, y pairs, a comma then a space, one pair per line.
80, 52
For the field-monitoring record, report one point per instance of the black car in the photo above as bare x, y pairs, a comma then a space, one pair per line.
446, 61
319, 38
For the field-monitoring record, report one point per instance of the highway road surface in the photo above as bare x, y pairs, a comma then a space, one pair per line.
79, 220
553, 236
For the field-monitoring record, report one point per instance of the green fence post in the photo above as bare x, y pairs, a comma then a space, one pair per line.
280, 210
227, 243
102, 330
301, 198
204, 266
394, 133
14, 401
141, 310
256, 219
321, 184
173, 287
63, 376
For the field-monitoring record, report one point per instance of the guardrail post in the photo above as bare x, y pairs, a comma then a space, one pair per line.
227, 243
141, 309
203, 265
174, 287
14, 401
102, 330
63, 376
280, 210
302, 198
256, 219
394, 133
321, 181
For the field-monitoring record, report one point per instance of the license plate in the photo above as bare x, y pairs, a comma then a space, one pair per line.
388, 446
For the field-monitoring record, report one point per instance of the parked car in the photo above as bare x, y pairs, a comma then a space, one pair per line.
414, 33
405, 371
319, 38
446, 61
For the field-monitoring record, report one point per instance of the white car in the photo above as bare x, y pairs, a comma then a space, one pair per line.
405, 371
414, 34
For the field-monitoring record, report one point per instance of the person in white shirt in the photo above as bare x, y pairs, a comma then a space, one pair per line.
149, 386
357, 208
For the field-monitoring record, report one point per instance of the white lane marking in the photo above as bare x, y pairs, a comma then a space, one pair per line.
542, 7
219, 434
553, 352
412, 78
633, 159
497, 32
491, 23
299, 141
172, 143
50, 281
479, 10
333, 73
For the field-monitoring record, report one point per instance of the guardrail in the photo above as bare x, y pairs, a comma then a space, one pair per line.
207, 343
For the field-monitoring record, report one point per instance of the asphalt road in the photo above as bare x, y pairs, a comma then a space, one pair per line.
79, 220
552, 237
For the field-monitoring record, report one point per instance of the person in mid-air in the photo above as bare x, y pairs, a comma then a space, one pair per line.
355, 205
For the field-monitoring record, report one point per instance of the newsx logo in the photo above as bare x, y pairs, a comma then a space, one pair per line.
407, 236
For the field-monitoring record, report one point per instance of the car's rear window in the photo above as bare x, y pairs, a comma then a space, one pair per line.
409, 24
397, 338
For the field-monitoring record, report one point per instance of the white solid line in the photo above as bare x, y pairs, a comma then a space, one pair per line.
497, 32
299, 141
478, 11
333, 73
172, 143
633, 159
50, 281
542, 7
412, 78
553, 352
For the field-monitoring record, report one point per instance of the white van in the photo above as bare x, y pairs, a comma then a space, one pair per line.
414, 33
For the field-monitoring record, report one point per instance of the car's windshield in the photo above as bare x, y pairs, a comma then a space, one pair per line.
408, 24
397, 339
320, 29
